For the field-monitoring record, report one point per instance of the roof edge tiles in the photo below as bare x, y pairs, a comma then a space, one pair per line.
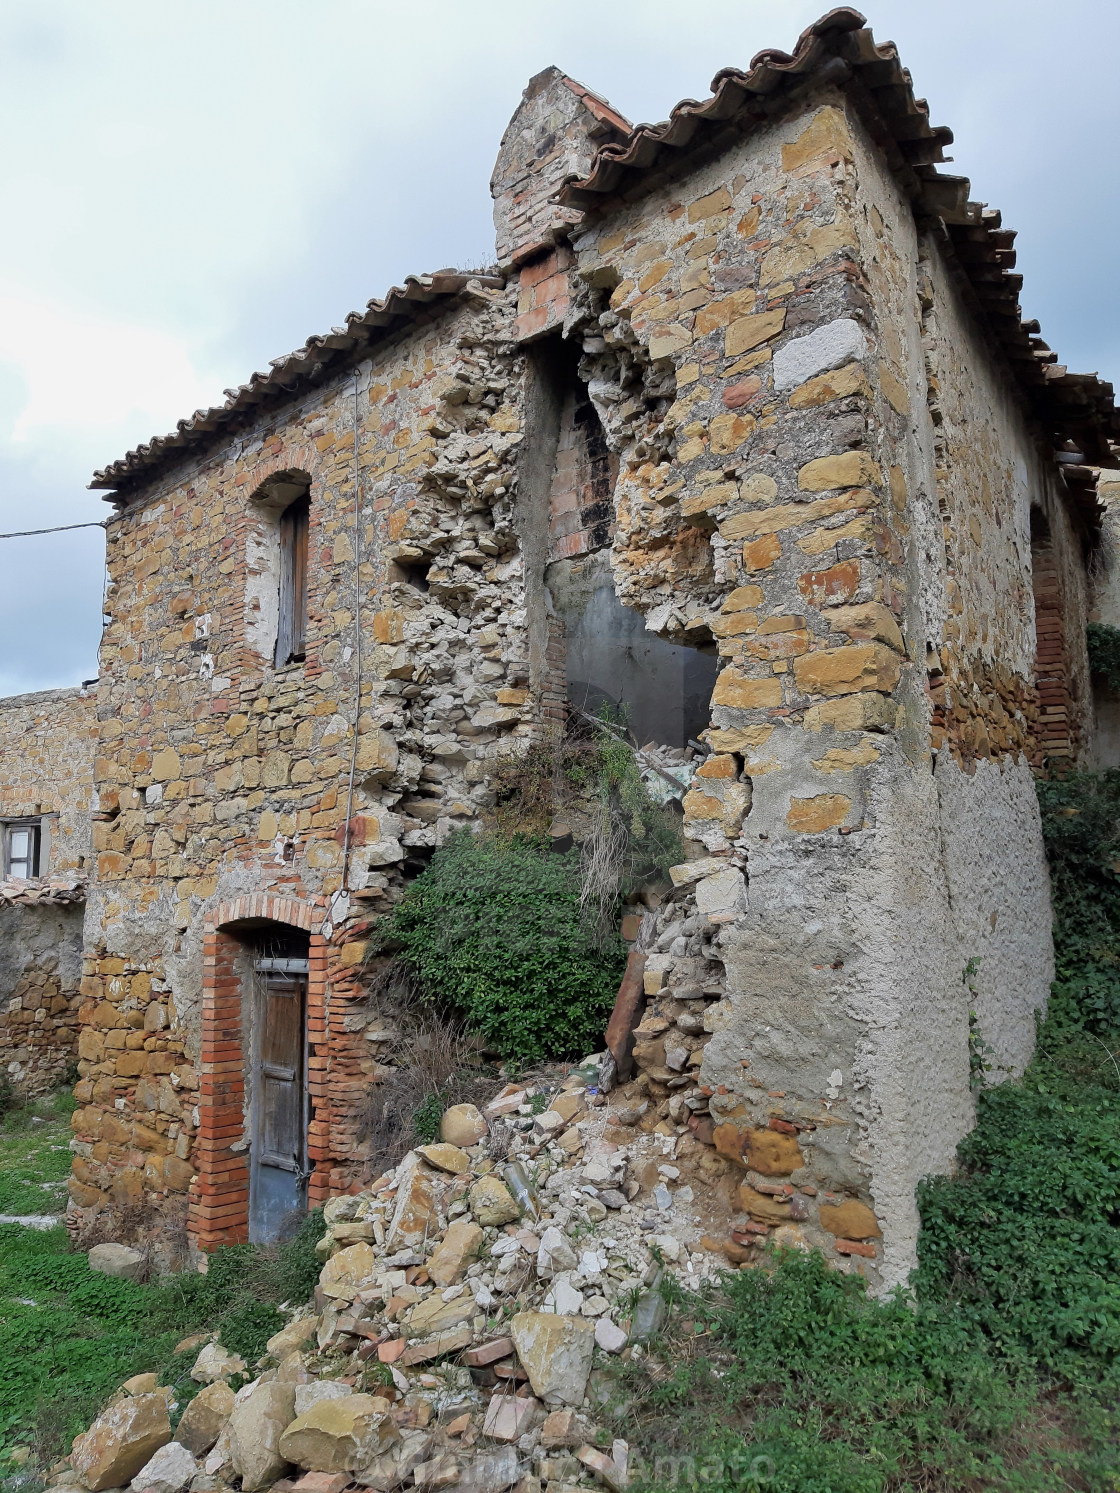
402, 306
41, 892
839, 50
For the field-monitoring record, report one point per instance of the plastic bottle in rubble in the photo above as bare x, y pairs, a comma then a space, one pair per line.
525, 1194
651, 1311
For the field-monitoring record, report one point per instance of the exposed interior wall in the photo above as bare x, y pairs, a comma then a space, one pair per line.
662, 689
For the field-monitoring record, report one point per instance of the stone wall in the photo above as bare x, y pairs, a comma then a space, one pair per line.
748, 411
221, 778
47, 742
46, 772
803, 501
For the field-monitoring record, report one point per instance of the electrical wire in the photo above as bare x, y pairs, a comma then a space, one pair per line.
60, 529
357, 647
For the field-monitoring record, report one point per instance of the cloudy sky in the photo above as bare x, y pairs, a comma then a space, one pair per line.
190, 189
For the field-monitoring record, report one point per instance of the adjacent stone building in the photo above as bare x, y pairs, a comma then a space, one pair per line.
744, 431
47, 743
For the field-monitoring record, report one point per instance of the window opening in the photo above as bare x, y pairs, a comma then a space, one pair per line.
291, 633
22, 842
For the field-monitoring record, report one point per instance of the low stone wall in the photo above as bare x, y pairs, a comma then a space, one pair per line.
40, 975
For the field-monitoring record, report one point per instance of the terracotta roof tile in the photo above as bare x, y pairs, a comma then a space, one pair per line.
296, 371
839, 50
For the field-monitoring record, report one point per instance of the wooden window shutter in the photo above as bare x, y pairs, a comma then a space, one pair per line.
291, 634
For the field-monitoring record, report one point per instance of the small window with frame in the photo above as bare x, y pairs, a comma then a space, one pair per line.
22, 845
291, 633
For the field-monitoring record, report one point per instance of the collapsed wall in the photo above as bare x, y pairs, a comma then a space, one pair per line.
727, 449
46, 785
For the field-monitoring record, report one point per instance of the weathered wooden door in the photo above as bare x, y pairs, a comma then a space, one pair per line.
278, 1165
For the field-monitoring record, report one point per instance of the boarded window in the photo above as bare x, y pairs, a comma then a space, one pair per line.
291, 632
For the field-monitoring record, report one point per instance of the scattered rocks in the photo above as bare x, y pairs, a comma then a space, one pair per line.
117, 1259
492, 1202
457, 1250
121, 1441
446, 1157
425, 1274
463, 1125
205, 1418
339, 1434
170, 1470
347, 1272
556, 1352
216, 1362
255, 1428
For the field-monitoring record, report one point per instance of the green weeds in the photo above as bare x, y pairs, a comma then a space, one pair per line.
70, 1336
1000, 1368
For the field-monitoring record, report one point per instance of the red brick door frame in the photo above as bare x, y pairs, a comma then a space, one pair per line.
219, 1202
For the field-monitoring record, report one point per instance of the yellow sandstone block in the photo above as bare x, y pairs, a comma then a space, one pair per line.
894, 389
793, 515
827, 135
811, 816
849, 469
729, 432
828, 386
707, 207
869, 619
851, 713
749, 331
844, 759
825, 539
735, 689
742, 598
847, 671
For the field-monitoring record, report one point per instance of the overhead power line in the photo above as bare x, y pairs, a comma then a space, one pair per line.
60, 529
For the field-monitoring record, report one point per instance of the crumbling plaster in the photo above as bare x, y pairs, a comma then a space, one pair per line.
823, 473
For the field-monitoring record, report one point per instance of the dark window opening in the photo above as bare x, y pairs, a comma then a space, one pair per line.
291, 632
413, 573
22, 842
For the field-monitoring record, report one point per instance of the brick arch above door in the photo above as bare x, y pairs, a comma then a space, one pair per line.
219, 1201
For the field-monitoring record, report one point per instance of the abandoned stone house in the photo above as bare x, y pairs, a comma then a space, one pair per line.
745, 431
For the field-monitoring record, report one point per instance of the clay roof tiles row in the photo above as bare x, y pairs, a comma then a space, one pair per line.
403, 305
839, 49
55, 892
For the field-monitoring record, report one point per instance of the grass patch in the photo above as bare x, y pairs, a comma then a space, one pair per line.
1000, 1368
35, 1157
69, 1336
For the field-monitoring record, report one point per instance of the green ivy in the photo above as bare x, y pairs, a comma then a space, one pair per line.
1103, 643
493, 928
1081, 828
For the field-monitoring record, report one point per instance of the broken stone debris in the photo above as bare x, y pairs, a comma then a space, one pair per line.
465, 1304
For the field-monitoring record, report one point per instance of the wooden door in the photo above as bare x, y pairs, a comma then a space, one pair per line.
278, 1168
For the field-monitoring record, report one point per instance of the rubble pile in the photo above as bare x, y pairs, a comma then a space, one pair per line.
470, 1305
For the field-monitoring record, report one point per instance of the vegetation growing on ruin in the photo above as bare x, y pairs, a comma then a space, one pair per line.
1081, 826
1000, 1367
494, 928
69, 1336
1103, 644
